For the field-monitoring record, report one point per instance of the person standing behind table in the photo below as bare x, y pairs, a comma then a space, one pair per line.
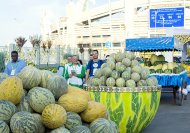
75, 73
93, 65
15, 66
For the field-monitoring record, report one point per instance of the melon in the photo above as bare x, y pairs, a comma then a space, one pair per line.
144, 73
54, 116
130, 55
152, 81
98, 73
57, 85
24, 105
111, 65
95, 81
107, 71
103, 80
110, 82
73, 103
7, 110
73, 120
120, 82
11, 89
39, 98
111, 59
142, 83
115, 74
153, 58
38, 119
119, 57
45, 75
103, 65
60, 130
3, 76
128, 69
126, 62
120, 67
112, 55
137, 69
30, 76
135, 76
102, 125
95, 110
134, 63
4, 128
130, 83
80, 129
23, 122
161, 58
126, 75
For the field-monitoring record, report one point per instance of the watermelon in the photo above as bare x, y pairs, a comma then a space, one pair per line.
120, 82
126, 75
145, 73
80, 129
54, 116
126, 62
111, 59
38, 119
130, 55
45, 75
23, 122
4, 128
111, 65
152, 81
103, 81
107, 71
98, 73
95, 82
112, 55
102, 125
137, 69
134, 63
142, 83
130, 83
73, 120
120, 67
103, 65
39, 98
119, 57
60, 130
115, 74
135, 76
110, 82
57, 85
24, 105
128, 69
30, 76
7, 110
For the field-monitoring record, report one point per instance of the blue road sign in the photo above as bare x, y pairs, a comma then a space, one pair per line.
108, 45
167, 17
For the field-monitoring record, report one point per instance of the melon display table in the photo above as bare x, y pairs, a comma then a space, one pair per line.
132, 109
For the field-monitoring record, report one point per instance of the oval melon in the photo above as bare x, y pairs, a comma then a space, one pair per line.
4, 128
110, 82
73, 120
120, 82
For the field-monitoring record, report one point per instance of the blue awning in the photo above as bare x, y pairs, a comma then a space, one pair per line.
153, 44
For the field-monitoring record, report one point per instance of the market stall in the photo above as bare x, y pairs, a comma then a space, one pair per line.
168, 74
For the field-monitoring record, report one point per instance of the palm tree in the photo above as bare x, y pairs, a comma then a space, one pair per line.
20, 41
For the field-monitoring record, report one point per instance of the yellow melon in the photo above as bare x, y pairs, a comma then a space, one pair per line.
94, 111
11, 89
54, 116
73, 103
79, 91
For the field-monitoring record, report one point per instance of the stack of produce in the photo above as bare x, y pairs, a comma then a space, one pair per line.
38, 101
122, 70
187, 68
157, 64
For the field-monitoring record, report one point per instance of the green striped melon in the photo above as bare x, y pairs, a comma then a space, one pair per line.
111, 59
119, 57
120, 67
30, 76
80, 129
115, 74
73, 120
98, 73
152, 81
107, 71
103, 65
130, 83
129, 69
135, 76
95, 81
126, 75
112, 55
38, 119
60, 130
102, 125
45, 75
126, 62
120, 82
145, 73
110, 82
23, 122
57, 85
103, 80
137, 69
130, 55
4, 128
39, 98
134, 63
142, 83
111, 65
7, 110
24, 105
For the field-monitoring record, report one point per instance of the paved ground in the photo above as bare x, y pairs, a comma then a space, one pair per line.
171, 118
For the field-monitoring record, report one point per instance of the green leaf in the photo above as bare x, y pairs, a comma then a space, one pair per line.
117, 96
97, 96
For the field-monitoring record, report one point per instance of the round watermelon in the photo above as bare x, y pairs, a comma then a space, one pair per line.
137, 69
129, 69
130, 55
135, 76
73, 120
126, 75
110, 82
126, 62
134, 63
120, 82
130, 83
107, 71
23, 122
45, 75
103, 65
24, 105
142, 83
120, 67
152, 81
103, 80
98, 73
95, 81
38, 119
112, 55
4, 128
80, 129
115, 74
111, 59
145, 73
111, 65
7, 110
39, 98
119, 57
60, 130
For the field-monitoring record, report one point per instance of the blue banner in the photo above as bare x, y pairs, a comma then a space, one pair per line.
167, 17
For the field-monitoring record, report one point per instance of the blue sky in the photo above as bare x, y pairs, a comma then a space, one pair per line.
22, 17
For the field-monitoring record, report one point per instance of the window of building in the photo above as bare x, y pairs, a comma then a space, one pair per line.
96, 44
